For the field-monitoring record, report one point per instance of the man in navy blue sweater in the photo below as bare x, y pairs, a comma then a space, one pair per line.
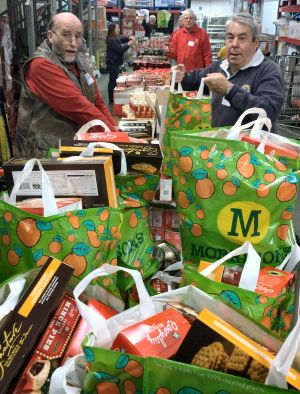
244, 80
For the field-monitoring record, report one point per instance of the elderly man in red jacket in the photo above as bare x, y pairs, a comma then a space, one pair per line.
190, 45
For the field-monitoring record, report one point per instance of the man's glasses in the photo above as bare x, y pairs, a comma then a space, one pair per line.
67, 36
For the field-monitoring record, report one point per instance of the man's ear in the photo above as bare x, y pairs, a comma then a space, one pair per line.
50, 36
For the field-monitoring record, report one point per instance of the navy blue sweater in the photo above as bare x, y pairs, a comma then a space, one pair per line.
115, 50
258, 86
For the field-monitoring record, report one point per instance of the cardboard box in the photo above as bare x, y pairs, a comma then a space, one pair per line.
91, 178
69, 148
172, 221
174, 239
27, 320
272, 282
51, 347
157, 216
36, 207
143, 158
105, 137
157, 234
159, 336
83, 328
209, 329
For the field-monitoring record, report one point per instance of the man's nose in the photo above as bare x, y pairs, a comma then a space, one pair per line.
235, 42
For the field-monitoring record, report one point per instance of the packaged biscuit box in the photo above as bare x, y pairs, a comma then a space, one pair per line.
214, 344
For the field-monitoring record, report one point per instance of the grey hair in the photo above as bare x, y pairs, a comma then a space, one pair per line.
248, 20
189, 11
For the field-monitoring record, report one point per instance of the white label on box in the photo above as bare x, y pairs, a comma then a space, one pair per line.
64, 183
191, 43
165, 190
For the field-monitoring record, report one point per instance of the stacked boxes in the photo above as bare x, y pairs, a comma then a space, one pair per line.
164, 225
128, 22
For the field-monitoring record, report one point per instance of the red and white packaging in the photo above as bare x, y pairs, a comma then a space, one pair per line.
83, 328
174, 239
157, 235
119, 136
64, 204
172, 221
159, 336
157, 217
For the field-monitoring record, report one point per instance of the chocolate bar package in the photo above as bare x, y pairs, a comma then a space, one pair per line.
90, 178
23, 326
143, 158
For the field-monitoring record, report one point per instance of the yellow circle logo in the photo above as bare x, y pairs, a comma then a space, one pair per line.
243, 221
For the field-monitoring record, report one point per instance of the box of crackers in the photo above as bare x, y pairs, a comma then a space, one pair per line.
214, 344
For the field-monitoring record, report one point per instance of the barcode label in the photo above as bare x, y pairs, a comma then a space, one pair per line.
165, 190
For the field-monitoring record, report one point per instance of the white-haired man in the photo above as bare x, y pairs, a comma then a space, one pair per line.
190, 45
245, 79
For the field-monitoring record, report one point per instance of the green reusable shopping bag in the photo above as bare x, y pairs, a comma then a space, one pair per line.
184, 113
135, 190
114, 372
84, 239
135, 248
228, 192
274, 313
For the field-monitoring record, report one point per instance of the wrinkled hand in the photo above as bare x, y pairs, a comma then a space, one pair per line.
180, 72
217, 83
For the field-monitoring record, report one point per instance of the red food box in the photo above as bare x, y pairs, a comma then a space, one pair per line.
83, 328
159, 336
35, 205
174, 239
171, 220
51, 347
119, 136
272, 282
270, 147
157, 235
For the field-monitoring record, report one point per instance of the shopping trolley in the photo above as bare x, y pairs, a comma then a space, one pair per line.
289, 118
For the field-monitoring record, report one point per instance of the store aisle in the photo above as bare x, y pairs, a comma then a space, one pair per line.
102, 82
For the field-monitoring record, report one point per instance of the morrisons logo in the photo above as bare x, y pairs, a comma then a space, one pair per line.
244, 221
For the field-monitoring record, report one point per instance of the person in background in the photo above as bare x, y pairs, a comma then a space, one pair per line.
244, 80
59, 93
190, 44
151, 27
116, 47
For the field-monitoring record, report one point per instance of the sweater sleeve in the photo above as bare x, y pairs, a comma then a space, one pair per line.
267, 93
192, 80
117, 46
173, 46
51, 84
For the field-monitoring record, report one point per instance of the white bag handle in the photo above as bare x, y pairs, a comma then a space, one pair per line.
16, 286
201, 89
251, 111
173, 82
89, 151
96, 122
283, 361
291, 260
48, 198
255, 126
98, 323
75, 367
251, 268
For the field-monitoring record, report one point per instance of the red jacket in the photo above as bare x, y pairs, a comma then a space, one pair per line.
191, 48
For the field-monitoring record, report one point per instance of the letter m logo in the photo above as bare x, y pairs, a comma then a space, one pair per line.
245, 224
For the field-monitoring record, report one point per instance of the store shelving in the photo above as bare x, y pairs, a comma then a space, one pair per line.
216, 30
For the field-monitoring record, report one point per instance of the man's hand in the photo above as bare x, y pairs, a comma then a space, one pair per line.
132, 41
217, 83
180, 72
